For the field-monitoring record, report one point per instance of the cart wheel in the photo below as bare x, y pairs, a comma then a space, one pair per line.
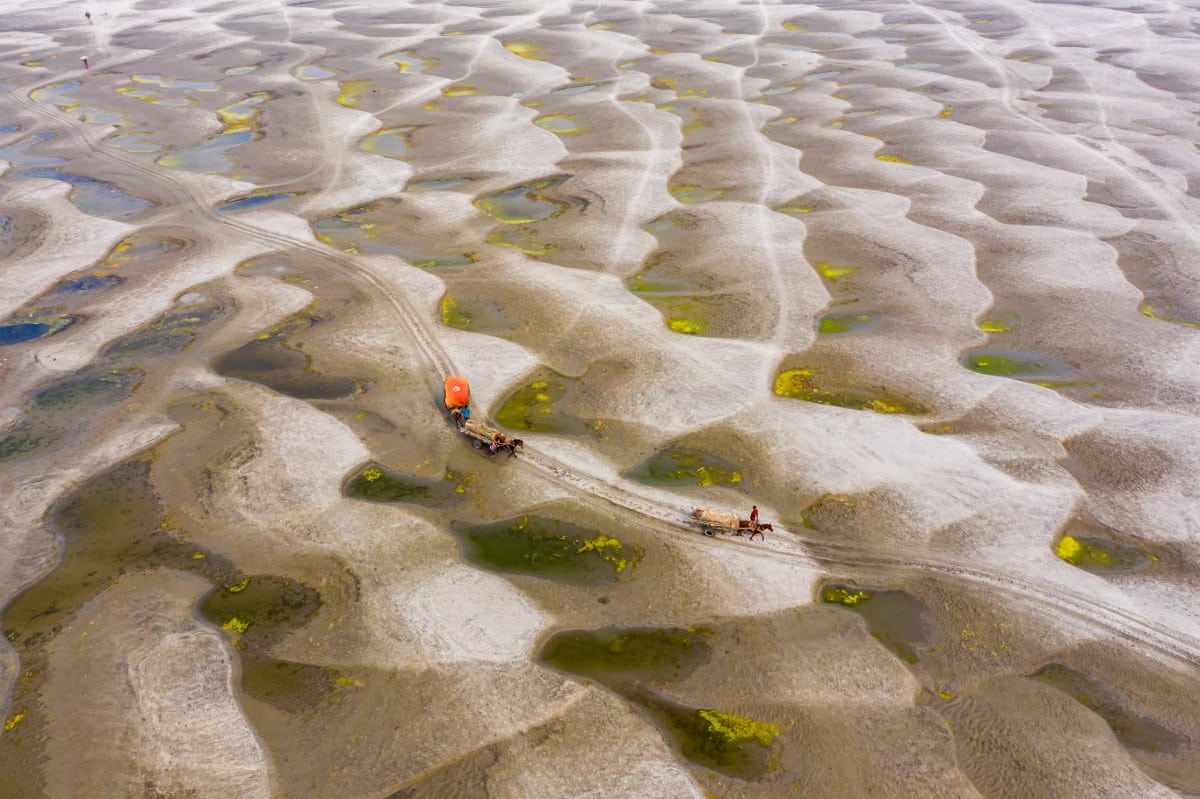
476, 443
708, 531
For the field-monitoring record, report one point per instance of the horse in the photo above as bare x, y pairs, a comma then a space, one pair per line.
755, 528
509, 445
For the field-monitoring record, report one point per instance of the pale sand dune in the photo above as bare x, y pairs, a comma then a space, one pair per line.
156, 687
974, 227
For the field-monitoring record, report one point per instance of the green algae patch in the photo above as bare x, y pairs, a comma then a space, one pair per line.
641, 284
1099, 555
683, 315
678, 465
536, 407
520, 238
892, 159
1165, 315
263, 612
833, 272
894, 618
549, 548
1002, 362
528, 50
1131, 729
847, 322
802, 384
843, 596
1002, 323
623, 657
723, 742
377, 483
475, 314
732, 729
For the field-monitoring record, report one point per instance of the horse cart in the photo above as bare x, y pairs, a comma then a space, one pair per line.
711, 521
481, 434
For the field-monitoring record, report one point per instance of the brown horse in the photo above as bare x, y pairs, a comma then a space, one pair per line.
755, 528
510, 446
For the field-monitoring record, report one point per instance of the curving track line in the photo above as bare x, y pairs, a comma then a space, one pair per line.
844, 560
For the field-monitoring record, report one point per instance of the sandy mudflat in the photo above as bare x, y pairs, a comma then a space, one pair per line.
922, 281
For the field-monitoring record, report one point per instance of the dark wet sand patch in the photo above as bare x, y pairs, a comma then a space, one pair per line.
546, 547
378, 483
637, 663
272, 361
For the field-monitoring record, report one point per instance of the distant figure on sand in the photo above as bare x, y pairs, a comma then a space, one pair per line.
754, 514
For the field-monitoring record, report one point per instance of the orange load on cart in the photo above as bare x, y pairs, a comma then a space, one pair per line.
458, 394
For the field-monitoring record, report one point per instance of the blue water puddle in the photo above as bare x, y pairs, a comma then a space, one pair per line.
437, 184
56, 94
20, 332
86, 283
254, 201
15, 153
95, 197
9, 128
209, 155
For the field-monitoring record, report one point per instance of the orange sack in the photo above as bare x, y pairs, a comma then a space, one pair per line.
458, 394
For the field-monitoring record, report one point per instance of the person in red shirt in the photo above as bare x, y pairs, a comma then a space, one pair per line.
754, 515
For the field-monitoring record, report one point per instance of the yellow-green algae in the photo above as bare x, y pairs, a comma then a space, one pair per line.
352, 91
378, 483
679, 465
562, 124
529, 50
1131, 729
408, 63
833, 273
733, 729
390, 142
801, 384
1093, 553
713, 739
892, 159
1003, 362
1164, 316
843, 596
847, 322
520, 238
548, 548
1002, 323
14, 718
534, 407
894, 618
